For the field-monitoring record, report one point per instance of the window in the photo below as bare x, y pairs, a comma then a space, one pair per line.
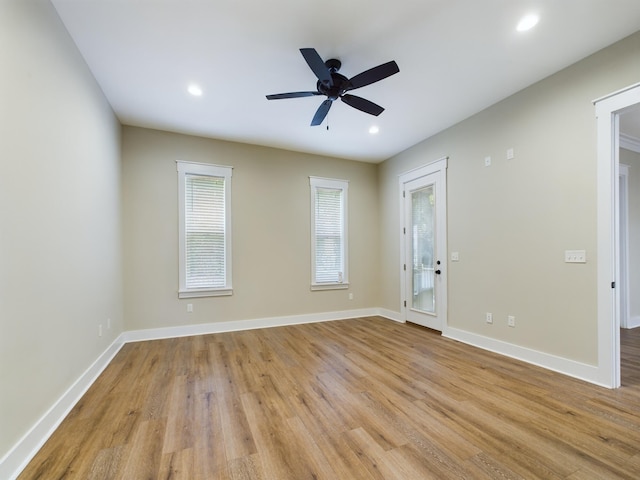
328, 234
205, 230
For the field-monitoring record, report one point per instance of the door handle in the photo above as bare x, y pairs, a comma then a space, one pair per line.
437, 272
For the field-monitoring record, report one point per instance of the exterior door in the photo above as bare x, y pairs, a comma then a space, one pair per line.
424, 238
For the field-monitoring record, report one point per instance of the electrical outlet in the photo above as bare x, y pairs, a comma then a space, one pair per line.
189, 307
487, 161
350, 296
455, 256
100, 330
511, 321
489, 317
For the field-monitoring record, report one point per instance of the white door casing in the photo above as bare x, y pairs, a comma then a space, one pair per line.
423, 274
608, 110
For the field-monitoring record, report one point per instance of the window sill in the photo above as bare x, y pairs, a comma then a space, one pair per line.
329, 286
205, 293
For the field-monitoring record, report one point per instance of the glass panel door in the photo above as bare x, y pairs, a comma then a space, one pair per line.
422, 230
423, 197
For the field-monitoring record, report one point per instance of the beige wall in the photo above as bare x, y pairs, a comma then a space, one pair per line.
511, 222
633, 160
60, 239
270, 231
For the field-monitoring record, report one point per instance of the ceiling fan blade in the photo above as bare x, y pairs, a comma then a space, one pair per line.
321, 113
373, 75
278, 96
362, 104
316, 64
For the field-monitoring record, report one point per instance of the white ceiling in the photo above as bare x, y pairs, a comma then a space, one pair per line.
456, 57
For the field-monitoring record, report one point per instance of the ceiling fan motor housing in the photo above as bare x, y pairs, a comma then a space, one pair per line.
340, 83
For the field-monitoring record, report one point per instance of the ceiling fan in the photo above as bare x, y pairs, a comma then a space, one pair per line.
334, 85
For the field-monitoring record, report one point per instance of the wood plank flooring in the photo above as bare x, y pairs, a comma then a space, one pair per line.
354, 399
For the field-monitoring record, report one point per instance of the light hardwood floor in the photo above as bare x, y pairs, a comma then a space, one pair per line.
354, 399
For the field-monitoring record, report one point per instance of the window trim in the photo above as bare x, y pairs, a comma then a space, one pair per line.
185, 168
320, 182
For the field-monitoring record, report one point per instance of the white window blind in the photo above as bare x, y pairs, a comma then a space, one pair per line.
205, 259
329, 233
205, 231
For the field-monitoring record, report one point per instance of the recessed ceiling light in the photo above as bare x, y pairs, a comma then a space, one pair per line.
194, 90
374, 129
528, 22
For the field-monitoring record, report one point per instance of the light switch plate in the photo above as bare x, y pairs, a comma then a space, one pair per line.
510, 154
575, 256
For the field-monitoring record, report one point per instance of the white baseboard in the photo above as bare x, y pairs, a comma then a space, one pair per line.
20, 455
633, 322
390, 315
239, 325
22, 452
582, 371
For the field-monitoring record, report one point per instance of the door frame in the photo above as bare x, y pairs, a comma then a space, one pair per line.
437, 166
625, 301
608, 111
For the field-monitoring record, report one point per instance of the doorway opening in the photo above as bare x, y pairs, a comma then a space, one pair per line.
629, 243
609, 110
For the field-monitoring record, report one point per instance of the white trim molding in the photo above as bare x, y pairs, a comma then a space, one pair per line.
607, 110
328, 278
26, 448
437, 168
209, 288
561, 365
390, 315
22, 452
633, 322
630, 143
240, 325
